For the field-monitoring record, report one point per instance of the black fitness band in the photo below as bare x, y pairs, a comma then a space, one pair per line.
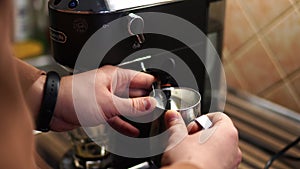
51, 88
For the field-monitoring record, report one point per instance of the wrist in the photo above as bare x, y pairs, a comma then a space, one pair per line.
64, 117
34, 95
62, 104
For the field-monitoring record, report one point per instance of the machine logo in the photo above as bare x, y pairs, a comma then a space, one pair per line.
57, 36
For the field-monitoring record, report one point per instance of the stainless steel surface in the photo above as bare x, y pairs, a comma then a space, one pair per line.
141, 59
103, 6
278, 109
264, 129
136, 27
184, 100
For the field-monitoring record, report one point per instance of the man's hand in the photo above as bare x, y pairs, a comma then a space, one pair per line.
216, 147
96, 96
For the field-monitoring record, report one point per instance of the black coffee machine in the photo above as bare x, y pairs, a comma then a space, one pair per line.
74, 22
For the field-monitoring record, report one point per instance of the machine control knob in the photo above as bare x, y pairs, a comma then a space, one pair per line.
136, 27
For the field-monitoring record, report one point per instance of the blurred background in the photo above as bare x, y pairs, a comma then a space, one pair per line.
261, 49
261, 58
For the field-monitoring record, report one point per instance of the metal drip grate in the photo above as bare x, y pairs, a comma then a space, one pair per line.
264, 129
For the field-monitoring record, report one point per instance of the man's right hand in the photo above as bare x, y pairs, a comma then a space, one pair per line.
216, 147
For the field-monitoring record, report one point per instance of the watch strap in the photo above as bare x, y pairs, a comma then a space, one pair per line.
50, 94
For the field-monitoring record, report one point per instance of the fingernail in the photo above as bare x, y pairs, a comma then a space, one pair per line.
147, 104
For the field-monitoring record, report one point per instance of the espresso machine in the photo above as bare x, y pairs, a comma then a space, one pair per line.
167, 35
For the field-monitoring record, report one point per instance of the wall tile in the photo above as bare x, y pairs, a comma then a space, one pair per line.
264, 11
284, 41
232, 78
256, 68
237, 29
295, 82
294, 1
282, 96
297, 5
225, 54
247, 65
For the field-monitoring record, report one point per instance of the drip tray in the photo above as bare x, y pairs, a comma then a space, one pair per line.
264, 129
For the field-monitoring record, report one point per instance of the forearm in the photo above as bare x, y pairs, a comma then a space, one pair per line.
32, 81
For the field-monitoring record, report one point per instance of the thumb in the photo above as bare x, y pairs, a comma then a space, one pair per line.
176, 127
134, 107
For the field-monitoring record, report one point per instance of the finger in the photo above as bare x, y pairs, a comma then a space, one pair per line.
174, 121
138, 92
176, 127
193, 127
142, 80
218, 117
237, 159
124, 79
133, 107
240, 157
123, 127
201, 122
136, 79
132, 93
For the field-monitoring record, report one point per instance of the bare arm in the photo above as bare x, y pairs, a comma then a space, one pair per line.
16, 143
32, 81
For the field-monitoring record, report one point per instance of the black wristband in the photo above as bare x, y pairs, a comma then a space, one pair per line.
48, 102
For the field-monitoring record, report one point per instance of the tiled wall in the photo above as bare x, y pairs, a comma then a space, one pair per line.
261, 51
